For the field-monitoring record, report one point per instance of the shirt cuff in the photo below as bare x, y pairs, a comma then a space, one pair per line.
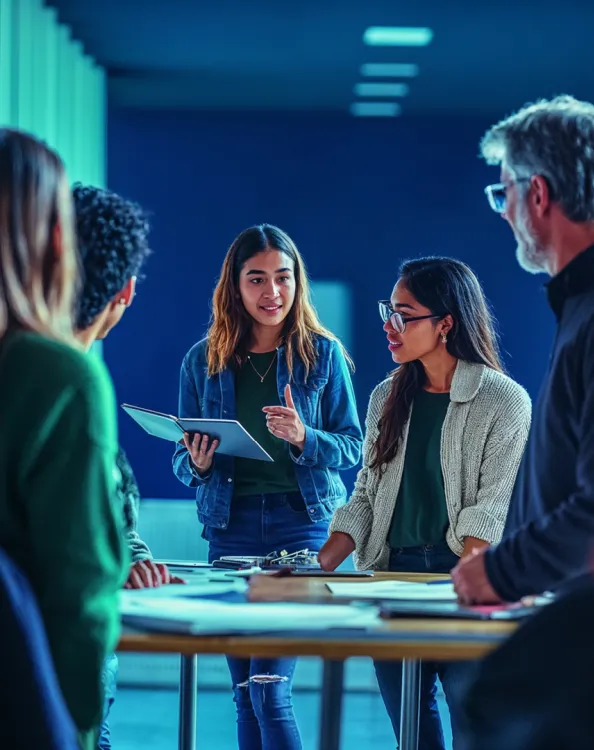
309, 454
196, 475
493, 570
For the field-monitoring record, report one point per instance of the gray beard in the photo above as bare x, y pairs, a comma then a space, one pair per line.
530, 258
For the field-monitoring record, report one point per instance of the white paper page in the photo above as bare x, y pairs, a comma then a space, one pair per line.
407, 590
217, 575
202, 617
193, 588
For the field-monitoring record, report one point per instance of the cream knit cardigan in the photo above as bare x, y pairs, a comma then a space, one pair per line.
482, 441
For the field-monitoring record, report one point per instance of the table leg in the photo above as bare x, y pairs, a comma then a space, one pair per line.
187, 702
331, 707
409, 710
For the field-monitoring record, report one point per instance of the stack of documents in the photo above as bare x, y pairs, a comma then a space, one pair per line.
194, 616
437, 591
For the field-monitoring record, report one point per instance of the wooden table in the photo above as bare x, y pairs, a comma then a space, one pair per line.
404, 639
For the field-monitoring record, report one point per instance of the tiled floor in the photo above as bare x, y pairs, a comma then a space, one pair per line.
147, 720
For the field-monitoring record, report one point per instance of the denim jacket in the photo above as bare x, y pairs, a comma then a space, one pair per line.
326, 405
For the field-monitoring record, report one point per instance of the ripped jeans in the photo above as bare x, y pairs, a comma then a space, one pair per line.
258, 525
262, 695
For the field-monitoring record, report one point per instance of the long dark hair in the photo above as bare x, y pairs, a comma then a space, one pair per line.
229, 335
445, 286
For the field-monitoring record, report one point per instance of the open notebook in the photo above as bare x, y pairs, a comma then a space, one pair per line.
233, 439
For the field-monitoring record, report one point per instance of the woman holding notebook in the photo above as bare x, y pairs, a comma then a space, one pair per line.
445, 436
269, 363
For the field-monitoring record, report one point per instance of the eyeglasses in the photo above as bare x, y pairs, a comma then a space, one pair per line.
497, 193
397, 321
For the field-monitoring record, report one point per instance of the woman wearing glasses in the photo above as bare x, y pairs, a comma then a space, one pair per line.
445, 436
268, 362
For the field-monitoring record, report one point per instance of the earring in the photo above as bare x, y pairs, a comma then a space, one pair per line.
444, 338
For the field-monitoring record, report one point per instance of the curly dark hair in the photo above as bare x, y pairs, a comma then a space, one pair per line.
112, 242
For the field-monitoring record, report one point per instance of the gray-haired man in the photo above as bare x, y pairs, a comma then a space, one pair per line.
546, 194
529, 694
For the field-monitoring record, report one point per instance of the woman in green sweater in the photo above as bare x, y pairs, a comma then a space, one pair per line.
58, 442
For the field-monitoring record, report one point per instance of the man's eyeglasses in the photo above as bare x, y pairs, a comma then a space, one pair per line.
497, 194
398, 321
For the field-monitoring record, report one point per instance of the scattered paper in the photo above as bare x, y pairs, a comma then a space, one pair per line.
188, 590
203, 617
406, 590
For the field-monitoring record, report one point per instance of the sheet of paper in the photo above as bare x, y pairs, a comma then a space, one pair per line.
218, 575
193, 588
203, 617
412, 591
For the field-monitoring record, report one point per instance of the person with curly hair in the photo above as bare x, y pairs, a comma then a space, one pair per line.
112, 236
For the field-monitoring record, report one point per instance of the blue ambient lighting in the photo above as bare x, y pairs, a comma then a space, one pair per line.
375, 109
397, 36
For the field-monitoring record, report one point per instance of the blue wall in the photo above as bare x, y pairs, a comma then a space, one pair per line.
358, 196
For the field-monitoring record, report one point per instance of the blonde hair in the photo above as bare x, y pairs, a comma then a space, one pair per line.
38, 275
229, 335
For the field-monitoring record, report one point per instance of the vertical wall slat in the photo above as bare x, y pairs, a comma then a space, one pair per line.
24, 17
6, 62
101, 123
51, 88
48, 90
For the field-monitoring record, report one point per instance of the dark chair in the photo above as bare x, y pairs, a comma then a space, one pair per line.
33, 715
536, 692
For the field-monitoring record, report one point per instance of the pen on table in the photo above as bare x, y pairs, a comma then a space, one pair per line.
433, 583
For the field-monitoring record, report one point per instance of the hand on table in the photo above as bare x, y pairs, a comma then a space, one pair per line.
471, 582
147, 574
336, 550
285, 423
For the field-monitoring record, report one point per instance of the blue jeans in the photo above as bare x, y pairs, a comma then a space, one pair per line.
258, 525
430, 558
109, 676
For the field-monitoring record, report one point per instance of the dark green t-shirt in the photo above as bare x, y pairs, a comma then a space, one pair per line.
421, 515
252, 395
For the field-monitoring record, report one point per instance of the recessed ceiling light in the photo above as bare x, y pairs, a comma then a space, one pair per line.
397, 36
369, 88
389, 70
375, 109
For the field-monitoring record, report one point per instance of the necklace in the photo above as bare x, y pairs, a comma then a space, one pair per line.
259, 374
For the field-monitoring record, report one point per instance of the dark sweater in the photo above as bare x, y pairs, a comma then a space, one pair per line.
550, 526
